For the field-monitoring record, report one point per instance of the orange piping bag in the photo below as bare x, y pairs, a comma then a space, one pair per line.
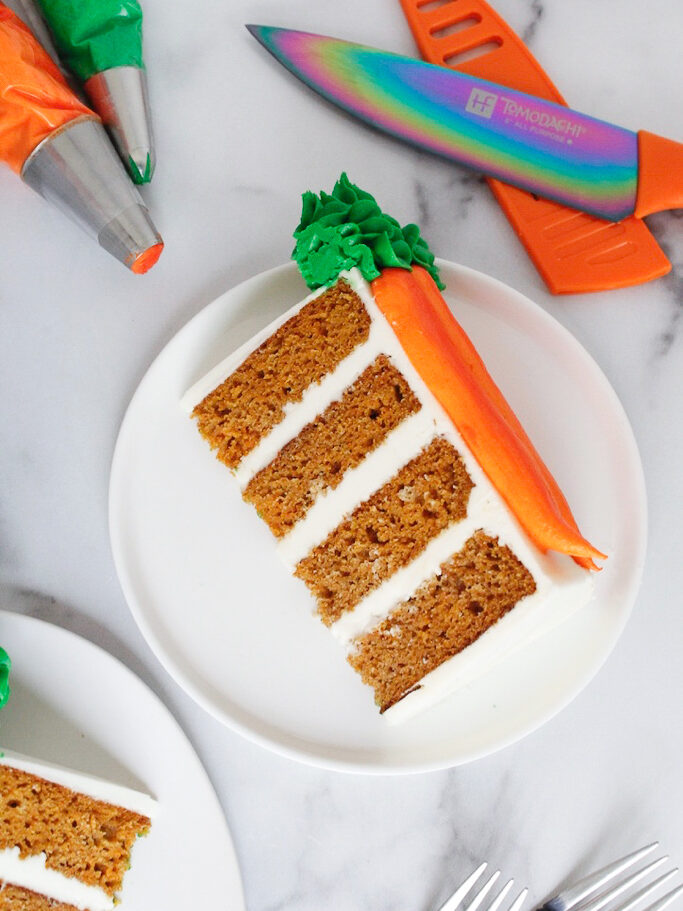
34, 97
447, 361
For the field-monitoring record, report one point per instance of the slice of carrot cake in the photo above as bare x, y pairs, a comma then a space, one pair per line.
65, 837
399, 485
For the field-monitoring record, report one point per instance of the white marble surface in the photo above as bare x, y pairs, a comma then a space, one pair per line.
236, 145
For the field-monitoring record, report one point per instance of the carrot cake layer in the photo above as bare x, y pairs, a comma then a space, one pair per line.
252, 400
336, 441
79, 836
16, 898
388, 530
472, 591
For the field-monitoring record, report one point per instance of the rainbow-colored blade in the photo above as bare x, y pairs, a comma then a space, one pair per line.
542, 147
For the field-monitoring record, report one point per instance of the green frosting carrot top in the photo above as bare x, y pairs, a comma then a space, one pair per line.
95, 35
347, 228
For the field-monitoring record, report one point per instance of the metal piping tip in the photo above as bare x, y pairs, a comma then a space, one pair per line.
132, 238
77, 169
120, 97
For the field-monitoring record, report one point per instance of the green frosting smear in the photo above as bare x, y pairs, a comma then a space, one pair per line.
95, 35
5, 665
347, 228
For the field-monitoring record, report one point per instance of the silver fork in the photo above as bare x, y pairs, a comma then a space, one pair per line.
475, 903
590, 893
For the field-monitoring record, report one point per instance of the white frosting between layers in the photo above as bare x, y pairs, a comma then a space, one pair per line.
375, 606
401, 445
89, 785
31, 873
561, 586
314, 401
484, 513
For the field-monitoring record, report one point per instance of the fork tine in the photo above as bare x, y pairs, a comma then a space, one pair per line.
605, 898
665, 900
452, 903
646, 891
498, 900
519, 901
595, 881
483, 892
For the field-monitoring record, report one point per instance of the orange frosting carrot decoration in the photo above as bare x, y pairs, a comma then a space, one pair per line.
447, 361
470, 355
34, 98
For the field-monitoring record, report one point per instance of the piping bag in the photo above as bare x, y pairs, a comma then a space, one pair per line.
100, 42
32, 17
59, 148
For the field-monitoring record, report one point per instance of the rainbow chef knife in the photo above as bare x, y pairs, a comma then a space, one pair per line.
543, 147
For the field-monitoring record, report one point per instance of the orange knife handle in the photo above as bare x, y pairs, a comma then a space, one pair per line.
660, 174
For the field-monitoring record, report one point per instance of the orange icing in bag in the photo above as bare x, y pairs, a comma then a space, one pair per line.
34, 98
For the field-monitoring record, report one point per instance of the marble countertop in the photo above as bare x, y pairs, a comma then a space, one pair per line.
236, 145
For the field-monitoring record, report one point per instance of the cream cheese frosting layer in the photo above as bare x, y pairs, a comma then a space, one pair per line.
404, 583
97, 788
401, 445
550, 572
31, 873
314, 401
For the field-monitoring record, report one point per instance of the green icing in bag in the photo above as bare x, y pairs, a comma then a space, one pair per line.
95, 35
347, 228
5, 665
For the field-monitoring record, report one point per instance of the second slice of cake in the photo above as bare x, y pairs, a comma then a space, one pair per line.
65, 837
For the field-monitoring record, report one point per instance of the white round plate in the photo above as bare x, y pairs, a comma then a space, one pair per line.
202, 578
75, 705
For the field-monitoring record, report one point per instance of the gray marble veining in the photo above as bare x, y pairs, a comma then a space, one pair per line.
536, 14
237, 143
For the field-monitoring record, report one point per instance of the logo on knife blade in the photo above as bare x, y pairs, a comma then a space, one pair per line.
481, 103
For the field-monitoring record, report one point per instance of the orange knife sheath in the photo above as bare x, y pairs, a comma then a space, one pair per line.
573, 251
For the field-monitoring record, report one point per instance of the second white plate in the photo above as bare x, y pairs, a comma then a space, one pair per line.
75, 705
203, 581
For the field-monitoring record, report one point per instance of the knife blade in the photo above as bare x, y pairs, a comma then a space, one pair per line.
540, 146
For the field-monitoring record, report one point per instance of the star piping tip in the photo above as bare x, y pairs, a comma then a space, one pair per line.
141, 168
